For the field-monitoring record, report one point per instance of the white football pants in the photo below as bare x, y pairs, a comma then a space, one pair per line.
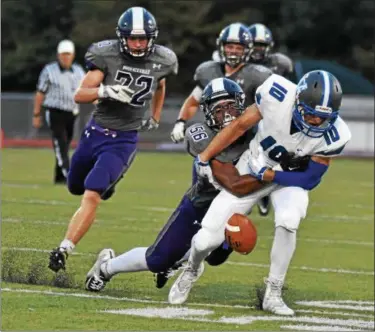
289, 203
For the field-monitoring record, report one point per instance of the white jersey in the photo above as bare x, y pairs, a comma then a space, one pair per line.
275, 99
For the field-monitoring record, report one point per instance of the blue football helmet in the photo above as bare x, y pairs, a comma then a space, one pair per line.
236, 33
222, 101
263, 42
318, 94
137, 22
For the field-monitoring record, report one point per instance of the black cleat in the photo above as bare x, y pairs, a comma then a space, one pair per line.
264, 206
161, 278
57, 259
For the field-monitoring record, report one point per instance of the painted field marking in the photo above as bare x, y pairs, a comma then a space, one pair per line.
324, 328
186, 313
348, 305
302, 268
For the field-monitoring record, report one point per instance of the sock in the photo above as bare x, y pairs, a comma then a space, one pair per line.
196, 256
282, 251
130, 261
67, 245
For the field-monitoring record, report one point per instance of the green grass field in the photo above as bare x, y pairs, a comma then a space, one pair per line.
330, 282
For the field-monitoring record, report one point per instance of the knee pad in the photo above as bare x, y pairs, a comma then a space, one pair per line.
157, 263
205, 240
288, 219
98, 179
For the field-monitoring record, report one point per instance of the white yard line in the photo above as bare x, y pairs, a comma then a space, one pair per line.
325, 328
308, 268
346, 305
113, 298
303, 268
336, 313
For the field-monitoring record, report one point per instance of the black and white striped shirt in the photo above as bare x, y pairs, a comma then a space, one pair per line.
59, 86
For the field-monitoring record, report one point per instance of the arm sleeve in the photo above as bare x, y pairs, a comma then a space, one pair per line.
43, 81
308, 179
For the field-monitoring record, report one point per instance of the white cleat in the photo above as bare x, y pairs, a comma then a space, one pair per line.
96, 278
181, 288
273, 302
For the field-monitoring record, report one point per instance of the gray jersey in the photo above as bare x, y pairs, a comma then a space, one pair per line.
280, 64
197, 138
249, 77
142, 76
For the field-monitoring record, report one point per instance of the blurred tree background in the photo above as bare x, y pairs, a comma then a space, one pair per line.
341, 31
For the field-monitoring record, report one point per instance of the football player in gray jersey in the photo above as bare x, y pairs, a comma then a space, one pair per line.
222, 101
127, 77
234, 46
263, 43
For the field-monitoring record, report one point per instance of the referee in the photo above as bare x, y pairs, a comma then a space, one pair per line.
56, 86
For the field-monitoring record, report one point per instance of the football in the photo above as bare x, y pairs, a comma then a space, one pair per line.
241, 234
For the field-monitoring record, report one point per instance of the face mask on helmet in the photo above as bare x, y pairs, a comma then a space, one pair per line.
234, 45
137, 32
313, 122
260, 51
221, 112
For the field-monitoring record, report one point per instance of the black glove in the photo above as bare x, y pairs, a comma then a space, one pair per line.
291, 163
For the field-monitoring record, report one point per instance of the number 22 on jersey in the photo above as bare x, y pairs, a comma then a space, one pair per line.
145, 82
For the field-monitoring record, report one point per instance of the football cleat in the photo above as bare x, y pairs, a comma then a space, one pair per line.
161, 278
264, 206
96, 278
181, 288
57, 259
273, 302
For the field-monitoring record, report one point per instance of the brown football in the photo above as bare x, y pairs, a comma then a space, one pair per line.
241, 234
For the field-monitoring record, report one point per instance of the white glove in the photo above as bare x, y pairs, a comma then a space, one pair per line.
257, 164
178, 132
203, 169
118, 92
149, 124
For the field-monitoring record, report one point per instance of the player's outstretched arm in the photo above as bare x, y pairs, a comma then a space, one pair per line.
239, 185
229, 134
307, 179
89, 87
158, 100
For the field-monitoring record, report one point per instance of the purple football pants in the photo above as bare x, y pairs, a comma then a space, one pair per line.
101, 159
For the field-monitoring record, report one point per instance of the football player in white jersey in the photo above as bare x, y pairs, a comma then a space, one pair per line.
302, 120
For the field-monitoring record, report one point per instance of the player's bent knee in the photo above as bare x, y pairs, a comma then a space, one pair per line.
290, 220
205, 240
98, 180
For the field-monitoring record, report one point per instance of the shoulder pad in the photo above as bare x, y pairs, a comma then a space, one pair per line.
96, 53
206, 72
334, 141
167, 57
197, 138
283, 62
267, 101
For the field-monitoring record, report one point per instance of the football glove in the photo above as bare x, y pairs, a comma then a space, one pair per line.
257, 164
178, 132
149, 124
203, 169
118, 92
